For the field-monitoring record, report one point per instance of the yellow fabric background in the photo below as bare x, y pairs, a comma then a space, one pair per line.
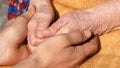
109, 55
65, 6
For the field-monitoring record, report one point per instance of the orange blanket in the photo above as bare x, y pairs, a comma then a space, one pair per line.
109, 55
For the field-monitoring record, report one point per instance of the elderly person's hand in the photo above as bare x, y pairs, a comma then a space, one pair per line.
12, 39
99, 20
80, 20
62, 51
40, 21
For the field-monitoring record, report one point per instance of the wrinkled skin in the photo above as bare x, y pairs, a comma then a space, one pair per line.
62, 51
80, 20
36, 26
77, 20
40, 21
13, 48
66, 23
98, 19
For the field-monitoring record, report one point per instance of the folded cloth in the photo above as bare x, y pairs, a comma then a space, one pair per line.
17, 7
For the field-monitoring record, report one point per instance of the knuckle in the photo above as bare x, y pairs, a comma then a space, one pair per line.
64, 39
80, 36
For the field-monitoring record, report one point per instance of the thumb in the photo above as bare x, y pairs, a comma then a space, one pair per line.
24, 18
69, 39
17, 31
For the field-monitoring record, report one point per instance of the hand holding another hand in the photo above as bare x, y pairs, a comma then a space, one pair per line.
62, 51
40, 21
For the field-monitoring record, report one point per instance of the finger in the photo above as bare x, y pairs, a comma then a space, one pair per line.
21, 19
68, 39
24, 18
17, 31
44, 15
19, 26
78, 37
91, 47
32, 27
44, 22
54, 28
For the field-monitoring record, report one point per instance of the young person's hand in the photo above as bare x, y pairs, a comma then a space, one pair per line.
40, 21
62, 51
13, 39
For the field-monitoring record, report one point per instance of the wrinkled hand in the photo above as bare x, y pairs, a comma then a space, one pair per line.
12, 39
81, 20
62, 51
100, 19
40, 21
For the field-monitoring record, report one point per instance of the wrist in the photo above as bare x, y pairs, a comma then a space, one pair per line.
30, 62
106, 17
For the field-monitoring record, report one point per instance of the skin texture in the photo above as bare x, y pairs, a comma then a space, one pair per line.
40, 21
65, 53
99, 20
13, 48
16, 50
80, 20
107, 19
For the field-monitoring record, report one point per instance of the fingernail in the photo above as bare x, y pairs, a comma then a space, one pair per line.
87, 33
32, 9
